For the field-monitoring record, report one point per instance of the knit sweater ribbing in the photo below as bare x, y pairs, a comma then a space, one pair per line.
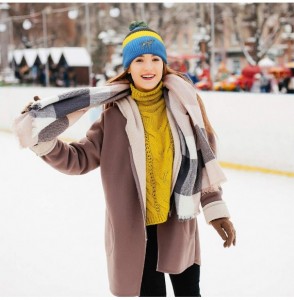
159, 153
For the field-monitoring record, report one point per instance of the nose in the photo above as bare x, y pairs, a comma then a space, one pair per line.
148, 64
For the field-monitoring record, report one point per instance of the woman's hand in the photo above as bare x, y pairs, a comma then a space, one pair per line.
27, 107
226, 230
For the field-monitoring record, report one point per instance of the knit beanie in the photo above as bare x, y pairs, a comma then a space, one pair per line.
142, 40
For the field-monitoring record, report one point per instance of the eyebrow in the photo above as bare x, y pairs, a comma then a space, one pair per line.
146, 54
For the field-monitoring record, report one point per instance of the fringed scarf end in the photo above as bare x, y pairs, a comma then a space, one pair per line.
187, 218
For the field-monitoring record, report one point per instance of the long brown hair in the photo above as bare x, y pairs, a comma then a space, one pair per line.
167, 70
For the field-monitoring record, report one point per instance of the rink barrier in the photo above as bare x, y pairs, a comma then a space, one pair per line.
239, 167
254, 131
234, 166
224, 164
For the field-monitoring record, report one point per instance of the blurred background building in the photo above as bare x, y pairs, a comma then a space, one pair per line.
198, 37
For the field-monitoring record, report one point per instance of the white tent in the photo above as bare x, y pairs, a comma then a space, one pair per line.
43, 54
74, 56
55, 54
17, 55
266, 62
30, 56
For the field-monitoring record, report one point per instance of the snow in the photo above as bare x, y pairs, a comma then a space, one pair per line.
52, 233
30, 56
43, 55
74, 56
253, 129
55, 53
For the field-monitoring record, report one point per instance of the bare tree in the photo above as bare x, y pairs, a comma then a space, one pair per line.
258, 26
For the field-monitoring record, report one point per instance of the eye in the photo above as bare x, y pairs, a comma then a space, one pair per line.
139, 60
156, 58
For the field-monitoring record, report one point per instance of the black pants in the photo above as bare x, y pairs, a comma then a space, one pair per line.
185, 284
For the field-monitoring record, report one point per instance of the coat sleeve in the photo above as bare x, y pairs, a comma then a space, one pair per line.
80, 157
213, 206
212, 203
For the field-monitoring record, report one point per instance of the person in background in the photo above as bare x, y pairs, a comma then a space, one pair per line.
256, 88
265, 83
156, 150
289, 83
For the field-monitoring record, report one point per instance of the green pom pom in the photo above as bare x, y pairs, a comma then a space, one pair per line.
136, 24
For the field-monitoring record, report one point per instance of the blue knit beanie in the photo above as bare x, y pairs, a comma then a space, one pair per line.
142, 40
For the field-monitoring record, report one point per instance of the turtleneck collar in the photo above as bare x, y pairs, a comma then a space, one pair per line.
150, 96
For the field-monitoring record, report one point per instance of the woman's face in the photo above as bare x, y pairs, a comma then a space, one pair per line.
146, 71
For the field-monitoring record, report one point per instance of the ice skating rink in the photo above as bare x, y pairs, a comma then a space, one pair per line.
52, 233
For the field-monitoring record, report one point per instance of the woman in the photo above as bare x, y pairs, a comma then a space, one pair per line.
154, 145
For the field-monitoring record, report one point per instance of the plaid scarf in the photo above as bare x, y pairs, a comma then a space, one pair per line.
199, 172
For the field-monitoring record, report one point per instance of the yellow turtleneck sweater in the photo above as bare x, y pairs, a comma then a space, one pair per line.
159, 153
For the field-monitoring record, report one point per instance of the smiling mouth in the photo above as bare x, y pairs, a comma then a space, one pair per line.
148, 77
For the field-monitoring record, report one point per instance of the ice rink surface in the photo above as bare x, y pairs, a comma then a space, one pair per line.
52, 233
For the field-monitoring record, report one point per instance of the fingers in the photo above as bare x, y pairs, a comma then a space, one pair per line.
234, 241
230, 233
221, 232
27, 107
226, 230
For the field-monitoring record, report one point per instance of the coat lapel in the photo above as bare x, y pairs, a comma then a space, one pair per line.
135, 132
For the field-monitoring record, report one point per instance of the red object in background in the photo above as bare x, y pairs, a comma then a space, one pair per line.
250, 71
246, 78
280, 72
205, 74
205, 83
